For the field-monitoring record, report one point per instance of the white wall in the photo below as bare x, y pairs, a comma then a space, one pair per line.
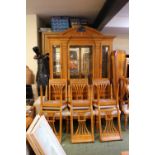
31, 41
121, 43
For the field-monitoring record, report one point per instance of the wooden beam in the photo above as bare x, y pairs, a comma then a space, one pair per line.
109, 9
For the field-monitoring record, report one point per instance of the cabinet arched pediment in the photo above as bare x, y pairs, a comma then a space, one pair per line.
84, 32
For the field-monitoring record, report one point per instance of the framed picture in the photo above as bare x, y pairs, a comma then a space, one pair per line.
42, 139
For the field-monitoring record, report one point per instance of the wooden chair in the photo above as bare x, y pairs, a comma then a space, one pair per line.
81, 110
124, 98
54, 105
119, 68
106, 107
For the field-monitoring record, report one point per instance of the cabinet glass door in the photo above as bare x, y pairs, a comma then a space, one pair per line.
105, 50
86, 61
56, 62
74, 62
80, 62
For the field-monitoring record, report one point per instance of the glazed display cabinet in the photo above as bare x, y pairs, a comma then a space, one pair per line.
78, 53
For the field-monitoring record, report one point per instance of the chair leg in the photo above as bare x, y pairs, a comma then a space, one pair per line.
110, 131
71, 126
126, 120
67, 124
92, 125
94, 120
100, 126
97, 124
82, 133
60, 130
119, 124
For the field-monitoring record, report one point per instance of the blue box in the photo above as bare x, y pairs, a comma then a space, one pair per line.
59, 23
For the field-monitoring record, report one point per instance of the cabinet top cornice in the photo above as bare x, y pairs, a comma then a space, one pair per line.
86, 32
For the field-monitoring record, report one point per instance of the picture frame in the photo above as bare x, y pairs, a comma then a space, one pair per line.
42, 138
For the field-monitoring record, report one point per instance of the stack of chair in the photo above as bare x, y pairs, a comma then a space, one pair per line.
54, 104
81, 95
106, 108
81, 110
120, 80
124, 98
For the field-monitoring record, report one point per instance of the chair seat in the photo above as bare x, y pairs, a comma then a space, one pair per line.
55, 101
52, 104
114, 112
79, 104
65, 113
103, 101
79, 108
102, 107
87, 114
125, 109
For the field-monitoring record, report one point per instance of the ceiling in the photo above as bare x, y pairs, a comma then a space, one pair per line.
48, 8
90, 9
119, 24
